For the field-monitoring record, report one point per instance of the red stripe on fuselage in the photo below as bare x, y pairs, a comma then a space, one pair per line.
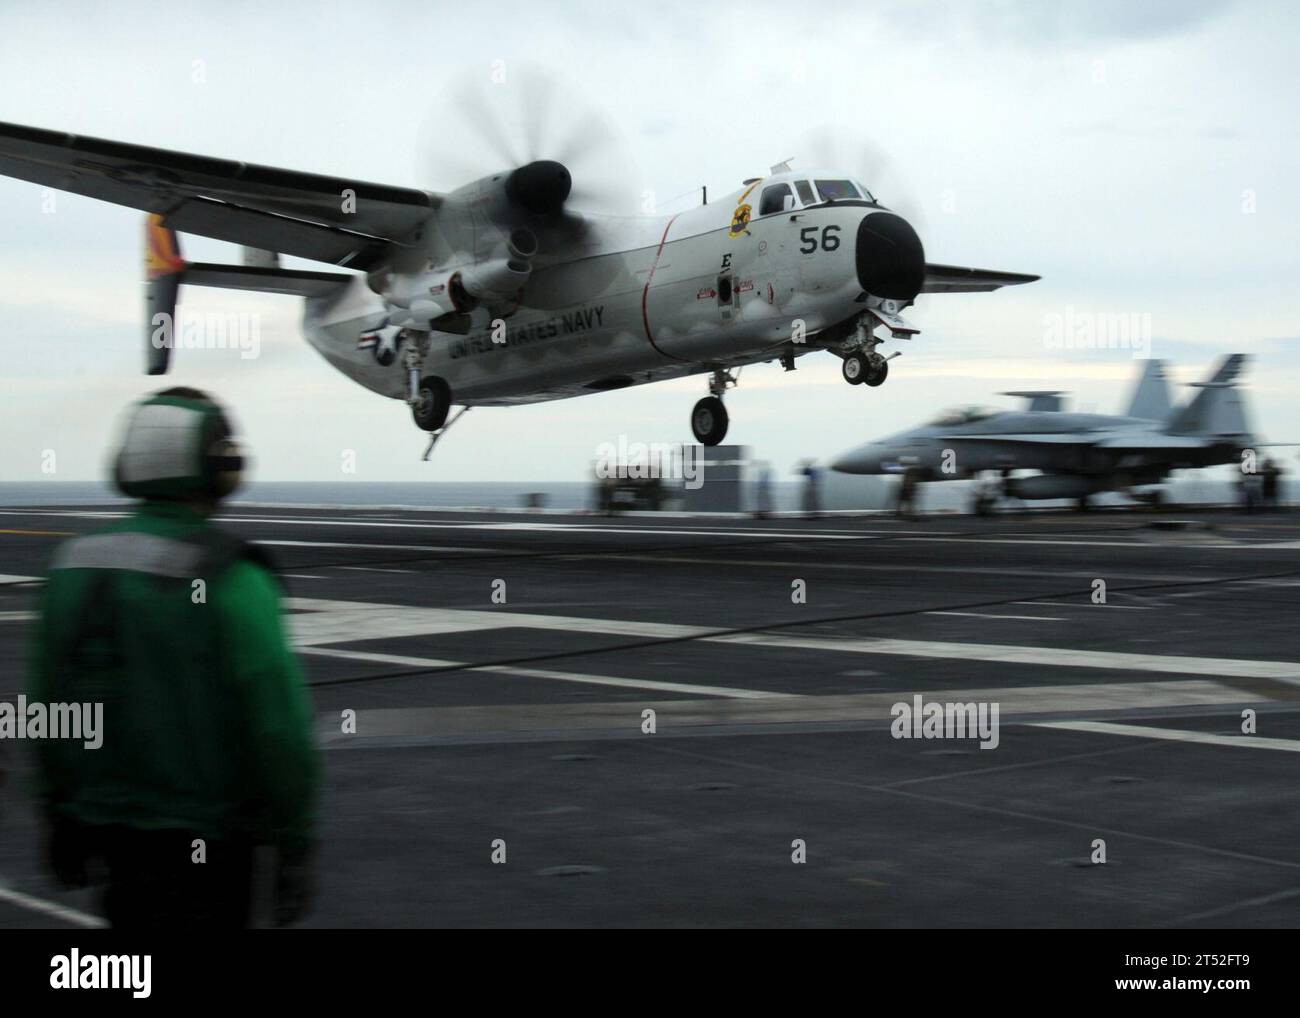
645, 294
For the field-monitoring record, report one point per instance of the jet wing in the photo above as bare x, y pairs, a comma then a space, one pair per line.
295, 213
959, 279
1051, 438
1154, 442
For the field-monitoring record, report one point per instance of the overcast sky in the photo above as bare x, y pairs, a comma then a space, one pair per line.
1142, 157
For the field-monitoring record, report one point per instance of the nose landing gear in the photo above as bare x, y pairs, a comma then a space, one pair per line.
869, 368
862, 364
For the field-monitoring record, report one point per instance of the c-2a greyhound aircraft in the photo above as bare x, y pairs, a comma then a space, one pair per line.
499, 293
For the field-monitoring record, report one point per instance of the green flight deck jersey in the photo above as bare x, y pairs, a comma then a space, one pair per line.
175, 627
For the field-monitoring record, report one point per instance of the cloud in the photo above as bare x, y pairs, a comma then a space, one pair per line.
1061, 23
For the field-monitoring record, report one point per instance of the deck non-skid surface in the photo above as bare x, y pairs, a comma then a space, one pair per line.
500, 667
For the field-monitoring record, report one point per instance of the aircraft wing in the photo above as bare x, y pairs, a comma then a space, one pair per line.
295, 213
1154, 442
1051, 438
959, 279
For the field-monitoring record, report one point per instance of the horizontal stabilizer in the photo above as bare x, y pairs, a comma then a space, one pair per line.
1218, 409
293, 282
166, 270
1228, 371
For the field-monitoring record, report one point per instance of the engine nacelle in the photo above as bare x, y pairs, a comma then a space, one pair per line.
420, 298
496, 281
539, 189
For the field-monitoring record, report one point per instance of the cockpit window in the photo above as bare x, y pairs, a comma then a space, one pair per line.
774, 199
866, 193
963, 415
805, 192
837, 190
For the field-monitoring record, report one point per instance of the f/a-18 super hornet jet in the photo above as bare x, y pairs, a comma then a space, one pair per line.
499, 292
1076, 454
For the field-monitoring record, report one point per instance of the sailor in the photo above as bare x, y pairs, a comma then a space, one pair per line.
175, 627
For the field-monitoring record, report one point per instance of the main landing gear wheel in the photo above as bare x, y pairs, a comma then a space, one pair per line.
709, 421
432, 404
855, 368
877, 371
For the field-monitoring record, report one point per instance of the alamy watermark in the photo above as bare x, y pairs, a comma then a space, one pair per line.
649, 460
211, 331
933, 720
77, 971
36, 720
1090, 330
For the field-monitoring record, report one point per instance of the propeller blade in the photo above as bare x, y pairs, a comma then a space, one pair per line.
518, 114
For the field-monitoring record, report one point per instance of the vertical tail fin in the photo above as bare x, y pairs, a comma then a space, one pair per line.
1151, 393
164, 268
1218, 409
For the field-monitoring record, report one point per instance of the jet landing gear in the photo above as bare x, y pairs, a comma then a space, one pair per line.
709, 418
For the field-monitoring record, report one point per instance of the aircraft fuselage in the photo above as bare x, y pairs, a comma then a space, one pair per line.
691, 293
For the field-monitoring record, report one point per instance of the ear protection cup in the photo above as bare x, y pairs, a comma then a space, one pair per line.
223, 467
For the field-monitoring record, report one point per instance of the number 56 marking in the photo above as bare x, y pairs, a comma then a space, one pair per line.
830, 239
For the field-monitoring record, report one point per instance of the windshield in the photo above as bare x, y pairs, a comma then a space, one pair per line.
835, 190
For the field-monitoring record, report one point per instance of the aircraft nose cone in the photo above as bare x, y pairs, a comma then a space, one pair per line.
865, 459
890, 258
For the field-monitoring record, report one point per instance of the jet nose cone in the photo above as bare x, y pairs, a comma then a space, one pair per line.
865, 459
890, 257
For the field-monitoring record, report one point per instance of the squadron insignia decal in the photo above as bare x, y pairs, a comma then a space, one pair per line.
740, 221
744, 211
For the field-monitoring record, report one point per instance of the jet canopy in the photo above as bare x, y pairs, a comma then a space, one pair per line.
963, 415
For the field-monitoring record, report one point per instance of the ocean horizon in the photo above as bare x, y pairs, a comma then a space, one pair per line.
839, 492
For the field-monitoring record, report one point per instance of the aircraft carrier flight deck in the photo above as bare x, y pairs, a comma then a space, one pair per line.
657, 720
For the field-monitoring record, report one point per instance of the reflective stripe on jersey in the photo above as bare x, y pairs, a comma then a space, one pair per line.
132, 551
